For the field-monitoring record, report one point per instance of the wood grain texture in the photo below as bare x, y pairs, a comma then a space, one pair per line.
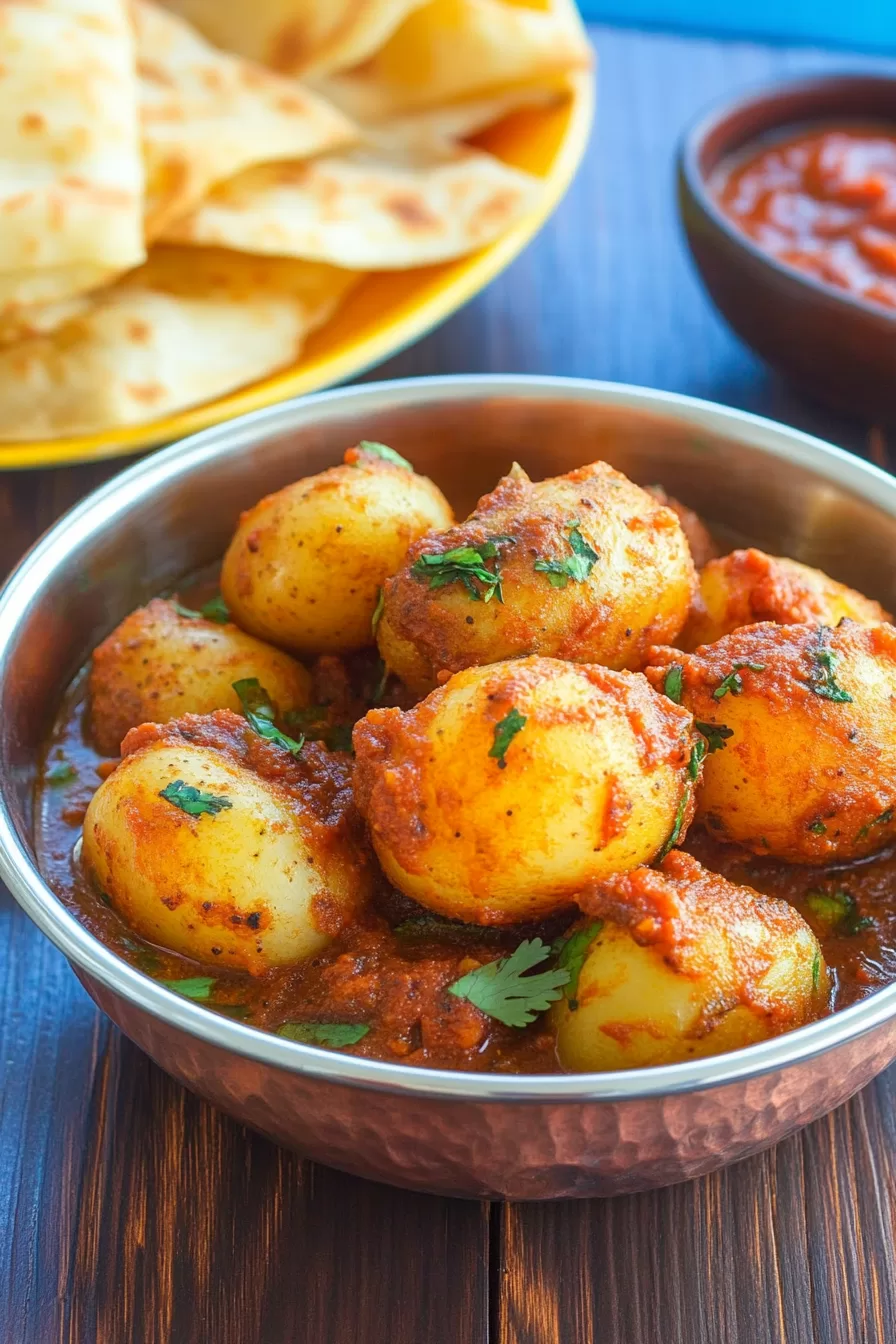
132, 1212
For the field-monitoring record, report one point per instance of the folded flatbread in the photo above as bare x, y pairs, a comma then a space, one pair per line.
207, 115
187, 326
294, 36
380, 207
458, 49
71, 174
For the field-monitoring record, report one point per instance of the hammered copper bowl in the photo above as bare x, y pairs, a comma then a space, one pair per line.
456, 1133
837, 346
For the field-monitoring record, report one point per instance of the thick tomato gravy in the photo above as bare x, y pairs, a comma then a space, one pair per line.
824, 202
391, 972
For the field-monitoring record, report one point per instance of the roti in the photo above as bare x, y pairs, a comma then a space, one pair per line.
207, 114
187, 326
71, 174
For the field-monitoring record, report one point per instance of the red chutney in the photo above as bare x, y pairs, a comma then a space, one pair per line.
823, 202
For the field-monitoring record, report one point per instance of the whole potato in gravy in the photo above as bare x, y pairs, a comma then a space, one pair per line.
306, 565
159, 664
748, 587
800, 722
586, 567
501, 794
681, 963
219, 845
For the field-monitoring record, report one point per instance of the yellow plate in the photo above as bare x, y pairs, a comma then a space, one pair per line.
388, 310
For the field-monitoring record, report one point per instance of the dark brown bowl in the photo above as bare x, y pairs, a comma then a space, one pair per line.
840, 348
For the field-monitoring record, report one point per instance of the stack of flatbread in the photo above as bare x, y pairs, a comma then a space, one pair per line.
188, 191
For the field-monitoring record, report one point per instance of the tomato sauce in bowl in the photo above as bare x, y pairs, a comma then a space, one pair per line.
822, 201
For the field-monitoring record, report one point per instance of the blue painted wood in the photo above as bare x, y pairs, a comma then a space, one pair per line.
869, 24
131, 1212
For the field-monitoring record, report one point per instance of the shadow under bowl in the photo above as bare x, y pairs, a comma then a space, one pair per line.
477, 1135
839, 348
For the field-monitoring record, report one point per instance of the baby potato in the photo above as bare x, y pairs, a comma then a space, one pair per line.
502, 793
217, 844
800, 722
680, 964
703, 548
159, 664
306, 565
747, 587
586, 567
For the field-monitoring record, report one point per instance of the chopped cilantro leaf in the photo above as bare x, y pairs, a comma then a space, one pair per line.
822, 680
502, 990
698, 753
577, 566
217, 610
505, 732
192, 800
818, 828
187, 612
734, 682
198, 987
883, 820
316, 727
259, 714
572, 956
466, 565
674, 683
838, 911
335, 1034
816, 969
716, 735
385, 452
61, 772
378, 610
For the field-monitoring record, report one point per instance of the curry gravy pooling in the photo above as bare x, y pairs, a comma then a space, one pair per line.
390, 972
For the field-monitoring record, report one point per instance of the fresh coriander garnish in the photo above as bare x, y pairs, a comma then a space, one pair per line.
198, 987
698, 752
62, 772
259, 714
734, 682
378, 610
430, 926
215, 610
838, 910
674, 683
577, 566
716, 735
573, 952
316, 727
192, 800
816, 969
379, 689
336, 1034
818, 828
385, 452
505, 732
502, 990
883, 820
822, 680
466, 565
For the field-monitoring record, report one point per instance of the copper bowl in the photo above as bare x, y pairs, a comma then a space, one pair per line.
477, 1135
838, 347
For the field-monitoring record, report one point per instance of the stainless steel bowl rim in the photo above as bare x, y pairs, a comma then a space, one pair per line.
87, 953
688, 159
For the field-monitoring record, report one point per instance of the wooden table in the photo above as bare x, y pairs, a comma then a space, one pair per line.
130, 1211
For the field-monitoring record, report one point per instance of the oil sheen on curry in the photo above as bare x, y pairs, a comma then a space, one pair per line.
553, 788
823, 201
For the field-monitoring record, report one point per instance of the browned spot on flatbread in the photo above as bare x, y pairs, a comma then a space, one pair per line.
31, 122
13, 203
139, 332
146, 393
287, 47
156, 74
496, 209
411, 210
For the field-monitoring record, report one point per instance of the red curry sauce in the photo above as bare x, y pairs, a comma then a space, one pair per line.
824, 202
391, 971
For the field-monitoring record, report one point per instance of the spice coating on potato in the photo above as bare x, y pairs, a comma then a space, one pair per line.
589, 568
306, 564
266, 874
159, 664
685, 964
501, 794
748, 587
703, 548
803, 721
